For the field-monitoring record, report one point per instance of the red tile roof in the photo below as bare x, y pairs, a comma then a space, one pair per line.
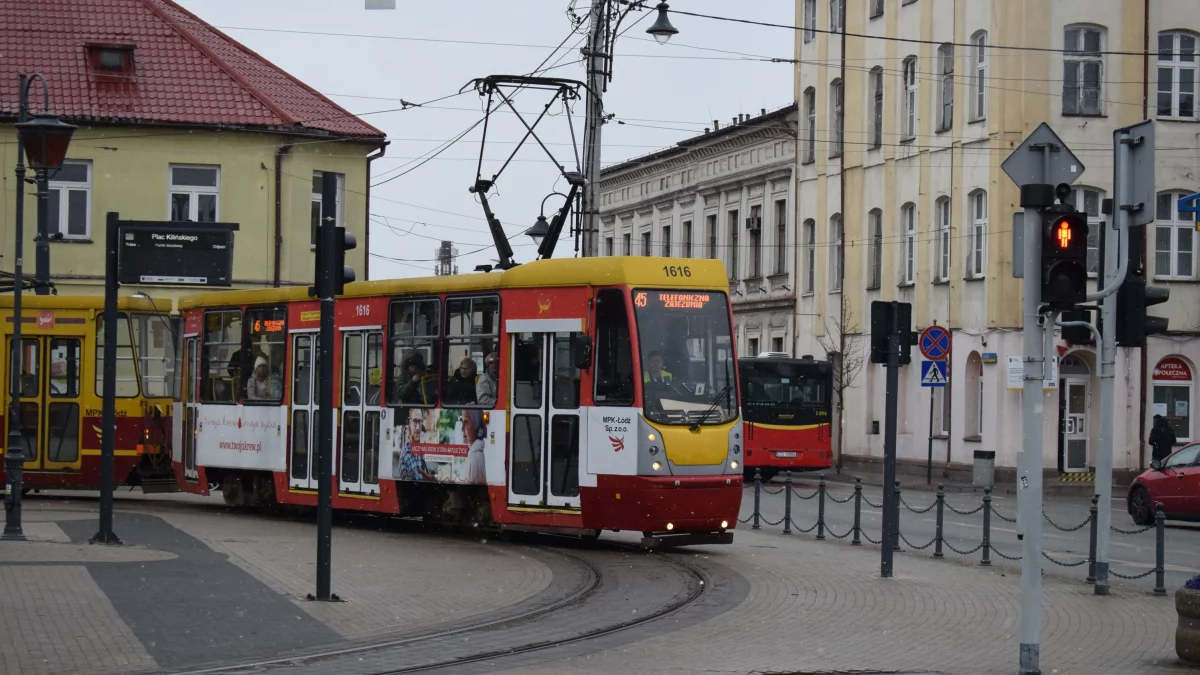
185, 71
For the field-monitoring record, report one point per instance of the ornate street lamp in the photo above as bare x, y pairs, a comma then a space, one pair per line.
45, 138
662, 30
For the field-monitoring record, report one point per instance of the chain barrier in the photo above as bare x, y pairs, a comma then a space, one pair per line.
868, 537
959, 551
1133, 577
835, 535
871, 504
1114, 528
972, 512
777, 492
927, 509
797, 493
802, 530
835, 500
746, 519
768, 521
1067, 529
1060, 563
1002, 554
1006, 519
914, 546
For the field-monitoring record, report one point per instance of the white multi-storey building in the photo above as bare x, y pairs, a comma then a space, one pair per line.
906, 109
727, 194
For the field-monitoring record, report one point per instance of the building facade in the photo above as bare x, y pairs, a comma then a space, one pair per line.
176, 121
899, 176
727, 194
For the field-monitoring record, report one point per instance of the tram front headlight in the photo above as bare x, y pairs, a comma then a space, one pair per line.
734, 465
657, 466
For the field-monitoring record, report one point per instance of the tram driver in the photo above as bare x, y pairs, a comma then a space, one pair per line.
652, 369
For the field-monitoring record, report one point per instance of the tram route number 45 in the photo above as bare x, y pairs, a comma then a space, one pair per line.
677, 270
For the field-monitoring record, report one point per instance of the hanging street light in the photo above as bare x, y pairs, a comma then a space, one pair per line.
45, 138
662, 30
539, 230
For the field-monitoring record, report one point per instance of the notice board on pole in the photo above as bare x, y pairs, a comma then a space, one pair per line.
176, 254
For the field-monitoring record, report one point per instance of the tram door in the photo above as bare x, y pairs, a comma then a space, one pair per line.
49, 404
546, 424
191, 406
306, 380
362, 353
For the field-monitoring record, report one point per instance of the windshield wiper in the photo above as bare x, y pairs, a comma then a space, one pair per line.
716, 402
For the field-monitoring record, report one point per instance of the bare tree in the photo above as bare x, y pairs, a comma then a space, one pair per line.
848, 361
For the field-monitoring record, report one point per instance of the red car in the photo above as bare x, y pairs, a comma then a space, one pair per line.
1175, 482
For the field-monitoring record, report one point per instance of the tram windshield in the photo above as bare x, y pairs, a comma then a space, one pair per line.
783, 391
688, 373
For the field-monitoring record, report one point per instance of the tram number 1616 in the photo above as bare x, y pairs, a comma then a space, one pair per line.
677, 270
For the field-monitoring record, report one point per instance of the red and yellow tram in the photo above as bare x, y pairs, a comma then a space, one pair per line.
569, 396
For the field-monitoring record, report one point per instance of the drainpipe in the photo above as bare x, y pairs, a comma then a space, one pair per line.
367, 216
280, 151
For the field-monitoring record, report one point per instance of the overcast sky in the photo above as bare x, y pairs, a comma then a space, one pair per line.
675, 89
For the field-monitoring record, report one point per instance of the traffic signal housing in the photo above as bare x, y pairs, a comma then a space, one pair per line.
1133, 325
343, 240
331, 267
1064, 258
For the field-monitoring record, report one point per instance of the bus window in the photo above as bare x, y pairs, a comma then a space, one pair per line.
127, 379
154, 338
614, 350
266, 330
413, 378
221, 370
472, 332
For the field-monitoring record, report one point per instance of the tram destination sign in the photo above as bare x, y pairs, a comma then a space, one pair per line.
175, 254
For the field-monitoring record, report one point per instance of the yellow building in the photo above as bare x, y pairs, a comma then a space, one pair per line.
176, 121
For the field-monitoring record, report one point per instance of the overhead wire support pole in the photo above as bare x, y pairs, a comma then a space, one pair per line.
597, 79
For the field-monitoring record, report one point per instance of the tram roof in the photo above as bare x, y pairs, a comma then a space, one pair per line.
603, 271
124, 303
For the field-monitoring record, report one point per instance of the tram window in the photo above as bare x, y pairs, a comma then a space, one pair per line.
374, 368
472, 332
31, 362
64, 368
266, 330
302, 369
153, 335
614, 350
221, 370
565, 386
127, 379
413, 379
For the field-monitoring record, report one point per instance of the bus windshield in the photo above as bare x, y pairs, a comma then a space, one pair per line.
785, 391
688, 373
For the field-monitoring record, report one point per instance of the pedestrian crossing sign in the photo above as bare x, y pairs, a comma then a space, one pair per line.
933, 374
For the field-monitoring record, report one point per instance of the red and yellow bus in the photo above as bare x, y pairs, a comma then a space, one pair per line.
786, 411
60, 391
569, 396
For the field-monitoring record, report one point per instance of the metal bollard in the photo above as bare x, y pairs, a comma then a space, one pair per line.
757, 497
937, 537
1160, 551
821, 508
987, 527
1094, 510
14, 467
787, 504
896, 505
857, 541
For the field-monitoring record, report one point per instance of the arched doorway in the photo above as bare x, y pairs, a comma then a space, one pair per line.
1074, 406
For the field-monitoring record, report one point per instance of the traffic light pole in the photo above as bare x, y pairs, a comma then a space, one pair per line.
325, 286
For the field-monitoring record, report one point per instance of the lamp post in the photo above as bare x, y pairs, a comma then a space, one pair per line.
541, 226
44, 139
605, 18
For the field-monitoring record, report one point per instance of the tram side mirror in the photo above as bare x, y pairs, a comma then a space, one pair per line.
581, 351
1156, 464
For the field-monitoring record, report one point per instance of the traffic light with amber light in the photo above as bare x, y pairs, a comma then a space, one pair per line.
1133, 298
1064, 258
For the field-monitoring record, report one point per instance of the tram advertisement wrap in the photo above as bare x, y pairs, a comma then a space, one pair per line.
442, 446
242, 437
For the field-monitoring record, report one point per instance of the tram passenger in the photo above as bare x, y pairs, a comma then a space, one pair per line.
652, 369
420, 388
258, 387
460, 388
488, 386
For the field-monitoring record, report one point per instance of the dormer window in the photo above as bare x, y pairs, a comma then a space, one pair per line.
111, 59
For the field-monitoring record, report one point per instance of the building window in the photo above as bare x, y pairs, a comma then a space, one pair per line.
974, 394
666, 241
810, 20
111, 60
1082, 70
733, 244
1173, 395
777, 345
646, 244
837, 108
780, 236
712, 235
875, 225
810, 115
627, 244
942, 424
835, 262
318, 182
943, 240
979, 75
876, 8
876, 107
69, 206
753, 346
755, 253
608, 246
1177, 75
810, 255
1174, 239
1087, 200
908, 221
910, 97
194, 193
946, 108
837, 15
687, 238
977, 261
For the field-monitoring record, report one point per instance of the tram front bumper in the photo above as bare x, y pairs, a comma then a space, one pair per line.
663, 504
